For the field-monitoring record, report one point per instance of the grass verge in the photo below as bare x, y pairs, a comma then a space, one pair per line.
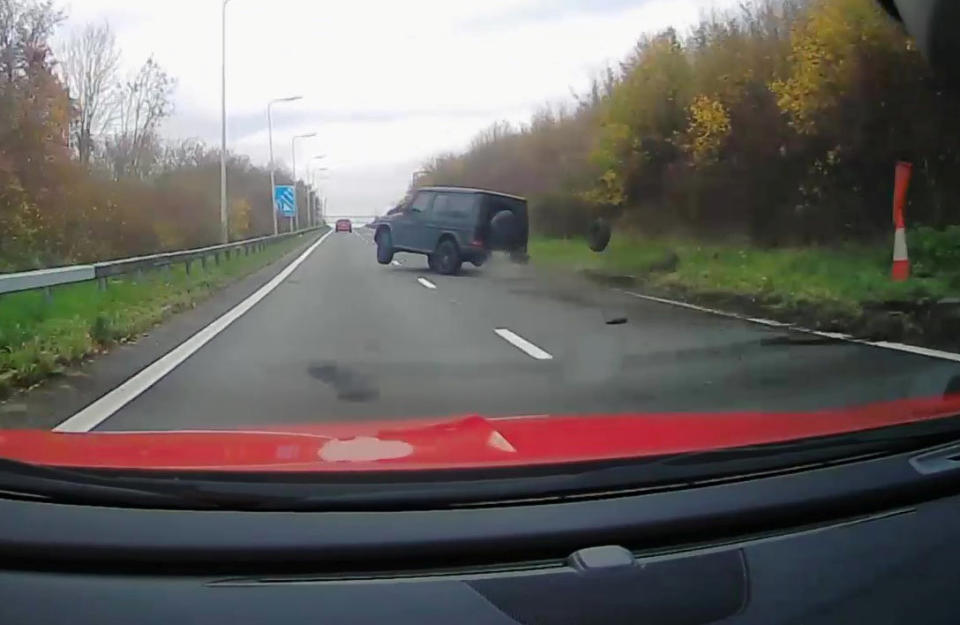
843, 289
40, 336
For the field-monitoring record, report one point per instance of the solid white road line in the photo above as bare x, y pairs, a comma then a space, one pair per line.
395, 263
911, 349
523, 344
900, 347
103, 408
427, 283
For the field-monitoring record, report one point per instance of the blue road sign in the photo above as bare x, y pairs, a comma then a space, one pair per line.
285, 201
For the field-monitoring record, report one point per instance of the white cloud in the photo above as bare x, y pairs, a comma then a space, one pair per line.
385, 84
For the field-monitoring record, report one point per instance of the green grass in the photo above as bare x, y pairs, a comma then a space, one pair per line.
40, 336
843, 279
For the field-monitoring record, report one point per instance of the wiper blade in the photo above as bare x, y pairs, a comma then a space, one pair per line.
20, 480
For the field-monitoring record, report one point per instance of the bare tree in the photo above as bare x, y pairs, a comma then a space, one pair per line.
89, 64
144, 102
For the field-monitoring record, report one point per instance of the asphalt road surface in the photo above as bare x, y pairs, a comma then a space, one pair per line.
342, 338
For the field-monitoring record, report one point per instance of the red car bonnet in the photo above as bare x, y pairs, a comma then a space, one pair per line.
471, 441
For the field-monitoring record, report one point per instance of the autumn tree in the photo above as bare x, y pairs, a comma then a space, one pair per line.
34, 118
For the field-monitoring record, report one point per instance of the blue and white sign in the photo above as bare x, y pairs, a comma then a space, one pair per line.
284, 200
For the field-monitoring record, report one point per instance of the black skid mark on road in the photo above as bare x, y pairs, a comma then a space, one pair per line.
349, 385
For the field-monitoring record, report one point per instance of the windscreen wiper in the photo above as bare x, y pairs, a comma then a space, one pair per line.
21, 480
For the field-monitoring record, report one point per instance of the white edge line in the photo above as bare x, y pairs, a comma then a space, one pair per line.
395, 263
900, 347
103, 408
426, 283
523, 344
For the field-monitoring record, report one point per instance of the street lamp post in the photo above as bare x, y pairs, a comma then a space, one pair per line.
224, 225
273, 169
311, 218
293, 149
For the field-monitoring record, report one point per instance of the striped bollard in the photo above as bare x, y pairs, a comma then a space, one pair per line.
901, 260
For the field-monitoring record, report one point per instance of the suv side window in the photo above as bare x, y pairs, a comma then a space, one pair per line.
441, 207
423, 201
454, 206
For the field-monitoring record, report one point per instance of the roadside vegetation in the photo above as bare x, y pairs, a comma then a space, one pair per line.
41, 336
838, 288
751, 156
849, 276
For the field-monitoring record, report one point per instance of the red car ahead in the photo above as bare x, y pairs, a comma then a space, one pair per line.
344, 225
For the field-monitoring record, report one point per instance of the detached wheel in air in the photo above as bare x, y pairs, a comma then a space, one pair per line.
384, 247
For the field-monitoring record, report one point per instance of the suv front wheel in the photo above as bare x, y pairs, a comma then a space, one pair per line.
446, 259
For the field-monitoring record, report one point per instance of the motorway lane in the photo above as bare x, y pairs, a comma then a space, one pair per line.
346, 339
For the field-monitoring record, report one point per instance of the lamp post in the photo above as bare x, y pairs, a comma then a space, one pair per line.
224, 223
293, 149
311, 221
273, 177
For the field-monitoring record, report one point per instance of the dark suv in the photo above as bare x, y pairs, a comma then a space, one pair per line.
453, 225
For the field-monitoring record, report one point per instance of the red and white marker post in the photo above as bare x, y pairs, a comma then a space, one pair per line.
901, 261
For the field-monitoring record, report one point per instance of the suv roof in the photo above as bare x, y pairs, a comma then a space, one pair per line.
470, 190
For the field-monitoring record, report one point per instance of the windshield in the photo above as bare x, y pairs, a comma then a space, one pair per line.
469, 234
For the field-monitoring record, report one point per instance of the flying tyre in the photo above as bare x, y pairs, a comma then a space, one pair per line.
598, 236
384, 247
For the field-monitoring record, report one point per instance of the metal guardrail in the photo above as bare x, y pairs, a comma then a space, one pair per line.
47, 278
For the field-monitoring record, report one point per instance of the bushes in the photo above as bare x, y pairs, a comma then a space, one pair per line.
559, 214
935, 251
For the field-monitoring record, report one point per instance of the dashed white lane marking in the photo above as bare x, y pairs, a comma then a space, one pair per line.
102, 409
395, 263
426, 283
900, 347
523, 344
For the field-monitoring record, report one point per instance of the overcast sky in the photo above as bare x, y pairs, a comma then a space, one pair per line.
386, 84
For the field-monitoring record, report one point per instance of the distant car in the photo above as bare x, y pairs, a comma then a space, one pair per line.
344, 225
453, 225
